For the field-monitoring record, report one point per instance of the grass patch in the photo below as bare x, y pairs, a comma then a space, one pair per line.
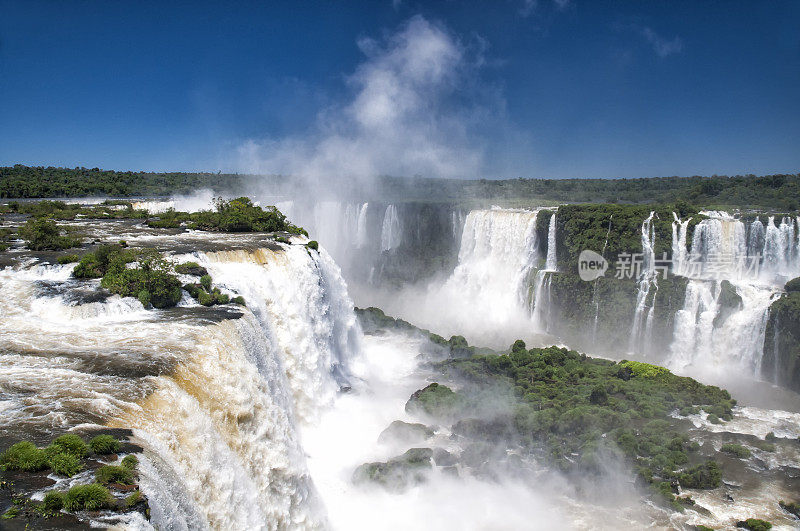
53, 501
130, 462
736, 450
91, 497
70, 443
104, 444
134, 498
65, 464
23, 456
114, 474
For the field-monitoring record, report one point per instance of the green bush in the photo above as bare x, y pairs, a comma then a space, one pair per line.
793, 285
130, 462
91, 497
313, 245
705, 476
436, 400
518, 346
191, 268
132, 499
205, 281
95, 264
65, 464
754, 524
204, 298
736, 449
53, 501
238, 300
114, 474
72, 444
23, 456
104, 444
152, 276
44, 234
68, 259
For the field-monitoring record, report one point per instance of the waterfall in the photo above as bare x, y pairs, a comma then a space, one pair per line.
495, 262
216, 397
362, 235
756, 259
390, 231
755, 240
641, 330
779, 258
302, 301
223, 422
679, 251
702, 340
542, 302
552, 263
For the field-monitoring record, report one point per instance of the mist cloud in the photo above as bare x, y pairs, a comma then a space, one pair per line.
410, 112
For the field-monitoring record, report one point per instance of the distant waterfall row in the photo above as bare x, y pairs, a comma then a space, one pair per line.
732, 249
374, 242
723, 325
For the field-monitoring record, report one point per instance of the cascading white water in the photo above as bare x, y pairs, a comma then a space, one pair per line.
756, 261
641, 330
552, 261
542, 302
679, 251
541, 313
498, 252
302, 301
216, 406
780, 249
362, 236
701, 341
391, 234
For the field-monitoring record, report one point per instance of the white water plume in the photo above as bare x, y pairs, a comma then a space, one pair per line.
641, 330
302, 301
402, 118
391, 234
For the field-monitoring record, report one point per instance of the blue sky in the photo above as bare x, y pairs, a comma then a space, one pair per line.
502, 88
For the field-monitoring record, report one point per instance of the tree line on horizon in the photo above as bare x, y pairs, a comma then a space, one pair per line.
779, 192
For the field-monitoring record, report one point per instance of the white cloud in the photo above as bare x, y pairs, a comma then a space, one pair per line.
663, 47
403, 118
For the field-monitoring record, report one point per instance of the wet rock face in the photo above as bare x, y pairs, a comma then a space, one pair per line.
405, 432
781, 361
398, 473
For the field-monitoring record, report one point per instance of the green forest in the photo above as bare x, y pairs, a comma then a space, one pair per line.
779, 192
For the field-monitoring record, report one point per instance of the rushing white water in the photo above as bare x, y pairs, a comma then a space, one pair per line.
552, 260
641, 330
498, 251
679, 250
701, 340
391, 234
757, 260
302, 301
216, 406
361, 226
542, 302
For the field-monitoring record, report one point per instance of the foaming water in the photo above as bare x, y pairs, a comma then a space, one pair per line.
302, 302
347, 435
223, 421
215, 403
